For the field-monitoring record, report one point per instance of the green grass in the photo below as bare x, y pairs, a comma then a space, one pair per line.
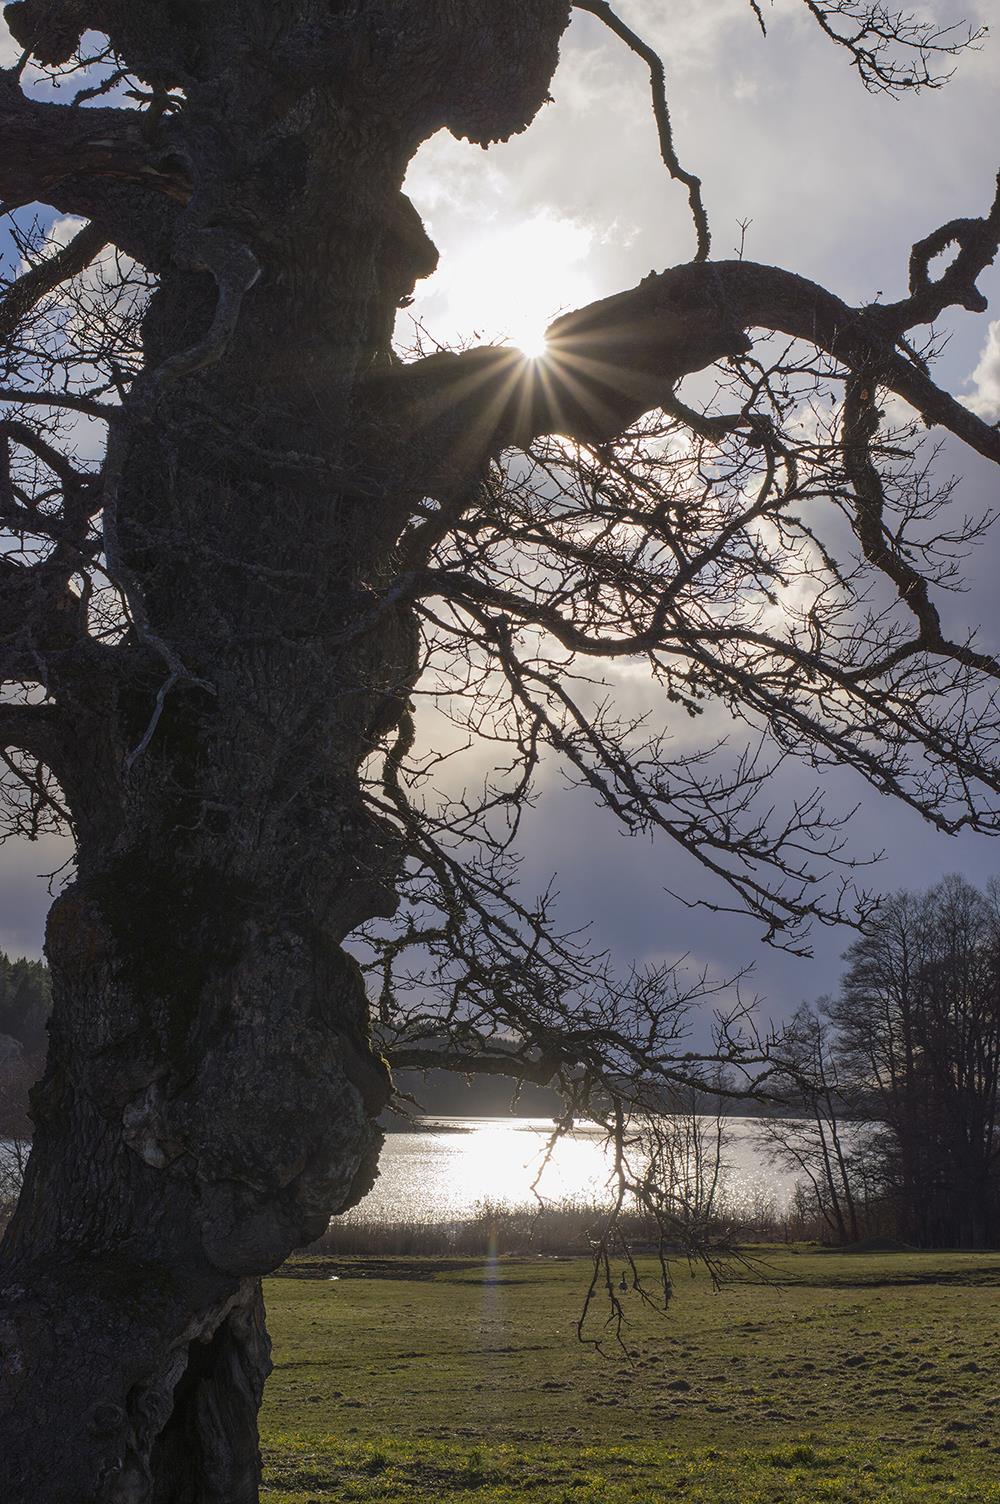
851, 1379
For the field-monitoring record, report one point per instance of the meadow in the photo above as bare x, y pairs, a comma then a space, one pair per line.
849, 1378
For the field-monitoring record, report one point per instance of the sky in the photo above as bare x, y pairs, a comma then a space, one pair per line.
836, 185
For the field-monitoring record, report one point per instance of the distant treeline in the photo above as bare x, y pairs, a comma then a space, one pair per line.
443, 1093
25, 1002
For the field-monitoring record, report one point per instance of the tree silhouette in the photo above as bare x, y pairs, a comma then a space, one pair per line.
212, 642
918, 1019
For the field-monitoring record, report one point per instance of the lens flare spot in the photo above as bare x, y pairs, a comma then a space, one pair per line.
531, 341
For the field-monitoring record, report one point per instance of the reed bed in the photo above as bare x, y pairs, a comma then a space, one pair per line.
566, 1228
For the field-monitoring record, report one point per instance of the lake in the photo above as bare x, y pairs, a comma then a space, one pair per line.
428, 1175
446, 1167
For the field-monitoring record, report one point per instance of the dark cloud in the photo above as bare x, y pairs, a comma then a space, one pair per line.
29, 873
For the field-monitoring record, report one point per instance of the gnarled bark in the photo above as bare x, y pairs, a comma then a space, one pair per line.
210, 1093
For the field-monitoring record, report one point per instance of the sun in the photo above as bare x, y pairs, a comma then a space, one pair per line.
530, 339
505, 283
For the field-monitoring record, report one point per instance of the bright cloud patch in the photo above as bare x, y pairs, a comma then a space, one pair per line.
508, 282
985, 400
10, 52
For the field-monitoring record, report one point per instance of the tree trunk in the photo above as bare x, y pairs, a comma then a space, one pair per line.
210, 1089
210, 1093
158, 1190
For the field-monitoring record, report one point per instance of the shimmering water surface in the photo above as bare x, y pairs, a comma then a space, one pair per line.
429, 1175
447, 1167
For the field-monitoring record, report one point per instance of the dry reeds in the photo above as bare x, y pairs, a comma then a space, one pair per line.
566, 1228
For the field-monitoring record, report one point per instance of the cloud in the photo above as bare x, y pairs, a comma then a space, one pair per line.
10, 52
985, 400
509, 280
27, 885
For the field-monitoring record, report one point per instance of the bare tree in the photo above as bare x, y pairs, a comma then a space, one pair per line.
213, 640
918, 1016
13, 1153
815, 1138
17, 1072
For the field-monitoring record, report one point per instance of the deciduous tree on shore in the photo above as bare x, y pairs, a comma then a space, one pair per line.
918, 1017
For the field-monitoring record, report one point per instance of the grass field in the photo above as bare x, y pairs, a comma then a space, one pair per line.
850, 1378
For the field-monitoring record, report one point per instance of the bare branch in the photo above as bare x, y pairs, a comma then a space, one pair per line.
657, 78
22, 295
31, 728
53, 154
71, 401
978, 241
892, 50
622, 356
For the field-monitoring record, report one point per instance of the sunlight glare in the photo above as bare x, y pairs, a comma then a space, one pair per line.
530, 340
506, 283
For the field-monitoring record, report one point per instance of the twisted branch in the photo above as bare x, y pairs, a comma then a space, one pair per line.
658, 85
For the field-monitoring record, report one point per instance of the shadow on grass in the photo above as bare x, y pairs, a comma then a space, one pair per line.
331, 1266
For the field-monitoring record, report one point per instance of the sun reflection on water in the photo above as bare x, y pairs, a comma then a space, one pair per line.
437, 1176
